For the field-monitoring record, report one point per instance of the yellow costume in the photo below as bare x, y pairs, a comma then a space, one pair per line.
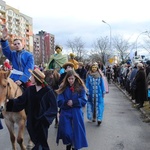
76, 64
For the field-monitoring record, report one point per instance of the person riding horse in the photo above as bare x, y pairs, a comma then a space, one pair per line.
21, 59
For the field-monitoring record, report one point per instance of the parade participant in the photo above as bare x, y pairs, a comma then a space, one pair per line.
96, 91
58, 59
67, 66
52, 79
71, 98
42, 109
72, 59
21, 59
81, 71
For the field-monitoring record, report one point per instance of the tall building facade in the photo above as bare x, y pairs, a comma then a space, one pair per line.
19, 25
43, 47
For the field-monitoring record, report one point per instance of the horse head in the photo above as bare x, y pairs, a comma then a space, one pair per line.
8, 88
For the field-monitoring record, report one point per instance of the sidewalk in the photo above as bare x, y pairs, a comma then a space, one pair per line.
145, 110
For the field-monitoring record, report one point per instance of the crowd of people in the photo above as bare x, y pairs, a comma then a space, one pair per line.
58, 92
63, 89
134, 79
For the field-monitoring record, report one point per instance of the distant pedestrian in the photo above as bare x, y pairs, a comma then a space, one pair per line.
141, 86
71, 99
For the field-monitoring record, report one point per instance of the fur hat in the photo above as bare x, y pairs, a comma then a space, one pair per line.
68, 64
38, 74
58, 46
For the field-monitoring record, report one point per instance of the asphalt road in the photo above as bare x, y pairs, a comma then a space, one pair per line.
122, 128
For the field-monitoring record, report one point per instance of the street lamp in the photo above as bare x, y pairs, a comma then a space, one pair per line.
110, 31
137, 40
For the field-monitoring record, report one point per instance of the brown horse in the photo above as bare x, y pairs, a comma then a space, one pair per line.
8, 90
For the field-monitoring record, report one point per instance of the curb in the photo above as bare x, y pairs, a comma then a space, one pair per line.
141, 109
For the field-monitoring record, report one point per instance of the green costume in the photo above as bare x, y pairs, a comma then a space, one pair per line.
56, 61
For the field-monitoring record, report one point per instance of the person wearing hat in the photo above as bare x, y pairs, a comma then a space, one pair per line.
67, 66
41, 105
58, 59
141, 86
72, 59
81, 71
96, 88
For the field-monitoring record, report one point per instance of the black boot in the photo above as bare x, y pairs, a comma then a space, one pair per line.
68, 147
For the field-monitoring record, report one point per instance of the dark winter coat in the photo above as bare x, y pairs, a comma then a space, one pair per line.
82, 73
141, 86
41, 109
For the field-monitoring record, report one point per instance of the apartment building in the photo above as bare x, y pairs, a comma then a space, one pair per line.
18, 24
43, 47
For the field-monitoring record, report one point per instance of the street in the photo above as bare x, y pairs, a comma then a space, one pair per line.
122, 128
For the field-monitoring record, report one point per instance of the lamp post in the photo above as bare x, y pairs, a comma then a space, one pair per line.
110, 31
137, 40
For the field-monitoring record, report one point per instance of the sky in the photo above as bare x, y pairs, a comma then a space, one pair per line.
68, 19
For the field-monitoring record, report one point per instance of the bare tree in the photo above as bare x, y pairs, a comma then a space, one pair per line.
77, 46
122, 47
101, 50
146, 45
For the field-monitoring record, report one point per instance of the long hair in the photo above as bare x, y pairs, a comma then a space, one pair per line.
78, 83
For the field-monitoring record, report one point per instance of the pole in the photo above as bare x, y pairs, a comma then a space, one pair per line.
110, 31
137, 40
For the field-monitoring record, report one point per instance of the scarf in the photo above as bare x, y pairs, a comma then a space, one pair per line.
95, 74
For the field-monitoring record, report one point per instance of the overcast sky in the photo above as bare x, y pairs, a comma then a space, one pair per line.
67, 19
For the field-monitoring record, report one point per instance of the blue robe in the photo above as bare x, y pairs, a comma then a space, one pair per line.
21, 61
71, 123
96, 91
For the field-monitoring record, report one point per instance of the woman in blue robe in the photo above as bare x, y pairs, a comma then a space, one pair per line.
71, 99
96, 91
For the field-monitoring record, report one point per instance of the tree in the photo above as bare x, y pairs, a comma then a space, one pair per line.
77, 47
101, 50
122, 47
146, 45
